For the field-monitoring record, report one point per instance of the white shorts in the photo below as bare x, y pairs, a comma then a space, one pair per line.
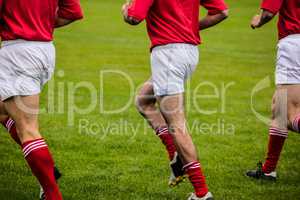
171, 66
288, 60
25, 67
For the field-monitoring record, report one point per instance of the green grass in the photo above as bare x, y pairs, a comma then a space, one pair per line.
130, 165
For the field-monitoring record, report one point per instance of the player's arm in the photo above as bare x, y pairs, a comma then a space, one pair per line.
1, 4
217, 12
129, 19
212, 20
260, 20
136, 11
60, 22
68, 12
269, 9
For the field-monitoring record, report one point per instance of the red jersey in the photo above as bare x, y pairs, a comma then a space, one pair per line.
289, 15
34, 20
170, 21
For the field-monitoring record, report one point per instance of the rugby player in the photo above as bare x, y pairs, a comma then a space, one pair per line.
27, 61
286, 100
173, 27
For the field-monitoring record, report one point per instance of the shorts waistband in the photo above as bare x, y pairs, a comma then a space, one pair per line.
175, 46
293, 36
19, 41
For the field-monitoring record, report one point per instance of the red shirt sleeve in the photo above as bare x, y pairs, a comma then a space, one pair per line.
214, 6
69, 9
139, 9
1, 3
272, 5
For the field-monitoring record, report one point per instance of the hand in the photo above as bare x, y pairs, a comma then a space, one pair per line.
256, 22
128, 19
125, 9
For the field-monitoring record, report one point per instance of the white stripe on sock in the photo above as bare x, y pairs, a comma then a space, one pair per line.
278, 132
9, 124
191, 165
32, 144
281, 135
38, 147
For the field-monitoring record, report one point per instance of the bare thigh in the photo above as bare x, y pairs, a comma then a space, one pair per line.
286, 105
145, 95
146, 104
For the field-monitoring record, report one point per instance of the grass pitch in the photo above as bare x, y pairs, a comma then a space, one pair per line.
116, 156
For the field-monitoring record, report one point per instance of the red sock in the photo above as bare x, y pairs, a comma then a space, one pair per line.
276, 142
197, 178
10, 126
296, 124
167, 139
41, 163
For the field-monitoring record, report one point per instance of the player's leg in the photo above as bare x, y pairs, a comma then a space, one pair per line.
146, 105
278, 132
286, 114
285, 108
3, 113
294, 108
171, 66
24, 111
172, 108
8, 124
24, 68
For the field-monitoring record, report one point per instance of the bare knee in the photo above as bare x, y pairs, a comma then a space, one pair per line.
139, 105
145, 100
279, 119
279, 111
144, 104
